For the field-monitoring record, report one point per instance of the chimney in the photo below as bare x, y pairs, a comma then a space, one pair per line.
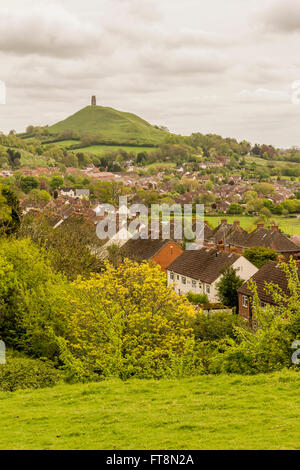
260, 225
223, 221
94, 101
274, 228
210, 245
280, 259
236, 223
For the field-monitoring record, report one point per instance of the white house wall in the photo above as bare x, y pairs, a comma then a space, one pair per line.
245, 270
181, 288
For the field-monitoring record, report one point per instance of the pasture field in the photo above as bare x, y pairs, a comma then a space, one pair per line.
63, 143
262, 162
101, 149
159, 165
205, 412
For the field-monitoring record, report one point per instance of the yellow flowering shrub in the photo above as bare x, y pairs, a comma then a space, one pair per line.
127, 321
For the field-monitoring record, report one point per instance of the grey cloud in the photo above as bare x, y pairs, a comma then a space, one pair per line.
183, 62
176, 63
50, 31
282, 16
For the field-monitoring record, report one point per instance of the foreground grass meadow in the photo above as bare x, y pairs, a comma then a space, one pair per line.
207, 412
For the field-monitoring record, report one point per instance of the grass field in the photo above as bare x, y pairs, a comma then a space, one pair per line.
162, 165
290, 226
64, 143
207, 412
262, 162
100, 149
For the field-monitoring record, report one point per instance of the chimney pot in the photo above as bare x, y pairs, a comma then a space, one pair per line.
260, 225
224, 221
274, 228
236, 222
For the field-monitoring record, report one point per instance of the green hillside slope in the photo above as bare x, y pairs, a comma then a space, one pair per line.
207, 412
112, 124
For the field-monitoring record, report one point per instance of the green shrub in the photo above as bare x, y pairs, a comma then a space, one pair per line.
197, 299
23, 373
216, 326
259, 255
269, 347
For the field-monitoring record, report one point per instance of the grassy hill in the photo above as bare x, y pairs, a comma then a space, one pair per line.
112, 124
207, 412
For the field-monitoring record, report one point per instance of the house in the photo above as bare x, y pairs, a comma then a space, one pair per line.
75, 193
225, 232
199, 271
270, 272
207, 232
69, 192
6, 173
82, 193
162, 252
104, 175
119, 239
232, 235
268, 238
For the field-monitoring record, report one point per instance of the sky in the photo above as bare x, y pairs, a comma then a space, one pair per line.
226, 67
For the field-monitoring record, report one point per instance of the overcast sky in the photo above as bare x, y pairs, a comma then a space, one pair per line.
212, 66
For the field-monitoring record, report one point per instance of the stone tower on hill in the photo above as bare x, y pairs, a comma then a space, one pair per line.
94, 102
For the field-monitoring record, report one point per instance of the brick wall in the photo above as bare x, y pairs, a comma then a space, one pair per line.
243, 311
167, 255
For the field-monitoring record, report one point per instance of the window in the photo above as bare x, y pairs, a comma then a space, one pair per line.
194, 283
245, 301
177, 277
183, 279
200, 285
207, 289
172, 276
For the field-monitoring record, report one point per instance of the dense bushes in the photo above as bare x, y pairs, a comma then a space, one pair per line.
197, 299
21, 373
269, 348
33, 309
216, 326
126, 322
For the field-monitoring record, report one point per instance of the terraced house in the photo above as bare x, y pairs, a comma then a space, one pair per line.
271, 272
162, 252
199, 271
233, 236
